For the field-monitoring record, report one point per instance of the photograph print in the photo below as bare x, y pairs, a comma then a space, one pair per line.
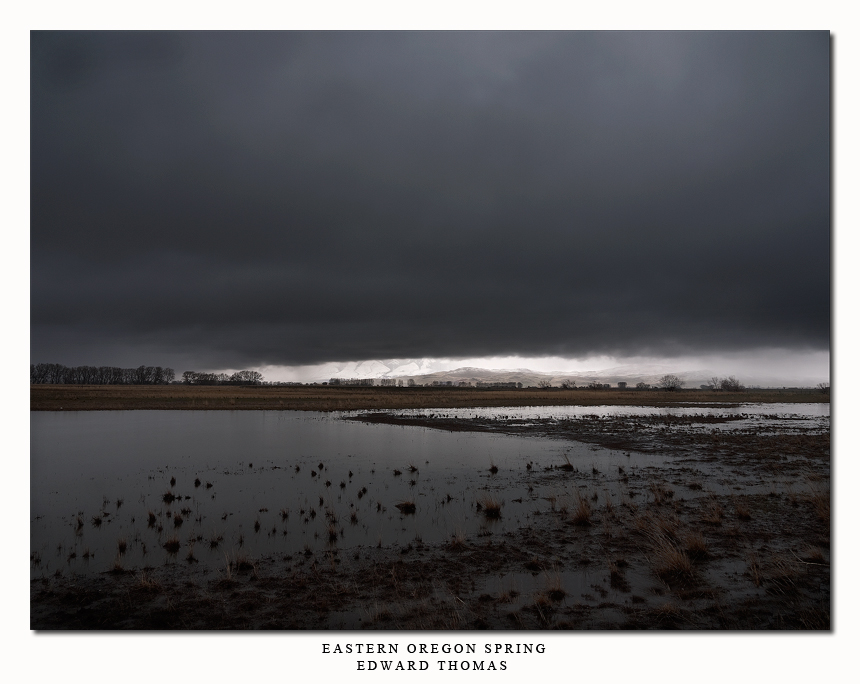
430, 330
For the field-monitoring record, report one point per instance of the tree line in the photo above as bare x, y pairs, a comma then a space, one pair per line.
242, 377
58, 374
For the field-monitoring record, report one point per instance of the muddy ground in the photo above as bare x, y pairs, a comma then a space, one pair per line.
732, 533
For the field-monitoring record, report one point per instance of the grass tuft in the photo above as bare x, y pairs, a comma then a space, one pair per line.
581, 514
406, 507
695, 546
490, 507
713, 514
458, 540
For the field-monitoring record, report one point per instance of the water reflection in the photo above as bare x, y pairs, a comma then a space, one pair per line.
252, 483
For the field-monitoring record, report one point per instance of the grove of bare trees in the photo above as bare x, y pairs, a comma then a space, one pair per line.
58, 374
242, 377
729, 384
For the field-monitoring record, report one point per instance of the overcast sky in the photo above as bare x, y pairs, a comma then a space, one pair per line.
216, 200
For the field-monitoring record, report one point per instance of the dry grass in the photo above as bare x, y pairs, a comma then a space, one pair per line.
406, 507
609, 507
672, 563
241, 563
668, 612
777, 574
146, 581
458, 540
320, 398
664, 524
813, 554
755, 569
661, 492
617, 580
713, 512
668, 556
581, 514
554, 587
820, 500
377, 613
695, 545
489, 506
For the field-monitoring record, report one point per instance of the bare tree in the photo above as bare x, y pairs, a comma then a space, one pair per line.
731, 384
671, 383
568, 384
544, 384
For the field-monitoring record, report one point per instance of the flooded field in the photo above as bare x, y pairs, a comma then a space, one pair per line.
256, 483
522, 517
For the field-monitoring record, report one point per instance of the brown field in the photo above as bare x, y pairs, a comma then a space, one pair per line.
324, 398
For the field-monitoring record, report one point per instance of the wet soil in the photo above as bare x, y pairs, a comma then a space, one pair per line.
733, 532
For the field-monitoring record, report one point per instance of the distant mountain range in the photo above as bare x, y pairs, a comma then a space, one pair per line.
423, 373
631, 375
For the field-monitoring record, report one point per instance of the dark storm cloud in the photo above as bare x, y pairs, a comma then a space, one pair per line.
227, 200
